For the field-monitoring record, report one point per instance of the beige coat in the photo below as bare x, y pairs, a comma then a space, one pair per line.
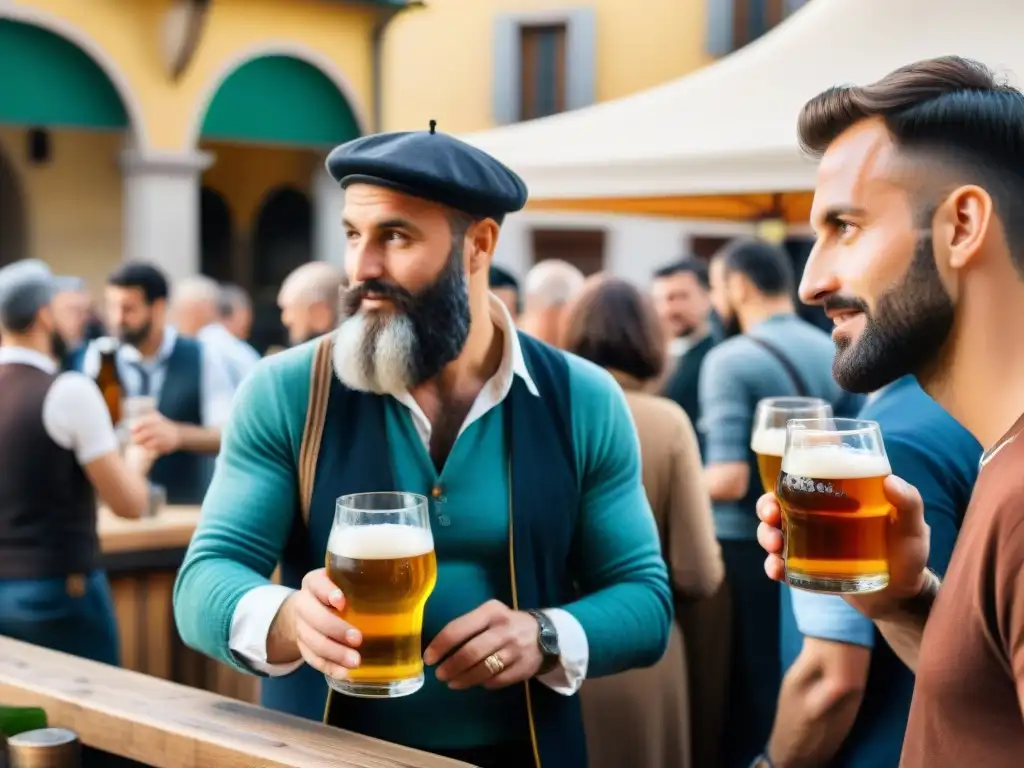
641, 718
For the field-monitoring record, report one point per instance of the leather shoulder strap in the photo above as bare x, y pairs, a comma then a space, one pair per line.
786, 363
316, 413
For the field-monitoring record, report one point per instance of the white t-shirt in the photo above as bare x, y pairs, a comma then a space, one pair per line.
74, 414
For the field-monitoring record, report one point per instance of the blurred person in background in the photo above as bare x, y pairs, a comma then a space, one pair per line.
505, 286
236, 311
58, 451
309, 299
190, 382
769, 352
196, 311
641, 718
71, 304
680, 292
547, 289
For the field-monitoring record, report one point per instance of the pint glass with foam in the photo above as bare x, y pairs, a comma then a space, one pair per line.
768, 438
835, 514
381, 555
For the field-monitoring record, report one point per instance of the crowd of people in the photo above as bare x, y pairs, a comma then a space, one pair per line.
584, 445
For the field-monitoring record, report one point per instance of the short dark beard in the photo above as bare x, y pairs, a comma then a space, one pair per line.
905, 334
439, 313
135, 336
730, 325
58, 347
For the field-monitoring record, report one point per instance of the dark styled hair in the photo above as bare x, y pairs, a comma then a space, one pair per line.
693, 266
502, 278
765, 265
145, 277
950, 109
611, 323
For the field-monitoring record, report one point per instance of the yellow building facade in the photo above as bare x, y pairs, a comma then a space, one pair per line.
192, 134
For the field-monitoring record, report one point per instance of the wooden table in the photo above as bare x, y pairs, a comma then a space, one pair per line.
162, 724
142, 558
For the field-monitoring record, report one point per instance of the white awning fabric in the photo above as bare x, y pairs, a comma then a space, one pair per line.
730, 128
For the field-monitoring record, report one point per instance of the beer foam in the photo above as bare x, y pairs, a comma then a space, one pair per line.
834, 462
769, 442
387, 541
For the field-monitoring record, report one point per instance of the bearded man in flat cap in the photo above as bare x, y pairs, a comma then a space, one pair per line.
548, 562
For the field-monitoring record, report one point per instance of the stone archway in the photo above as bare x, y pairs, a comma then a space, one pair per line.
13, 237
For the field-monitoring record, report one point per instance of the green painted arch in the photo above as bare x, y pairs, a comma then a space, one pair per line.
52, 82
280, 99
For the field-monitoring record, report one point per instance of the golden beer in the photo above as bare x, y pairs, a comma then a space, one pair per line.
769, 445
835, 517
386, 573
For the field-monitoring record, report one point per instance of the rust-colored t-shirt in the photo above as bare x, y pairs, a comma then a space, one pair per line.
967, 706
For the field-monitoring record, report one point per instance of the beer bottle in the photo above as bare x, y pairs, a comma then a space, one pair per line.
108, 380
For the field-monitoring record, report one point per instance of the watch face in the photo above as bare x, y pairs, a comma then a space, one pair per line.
548, 638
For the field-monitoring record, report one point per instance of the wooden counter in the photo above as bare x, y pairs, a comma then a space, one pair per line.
171, 528
141, 558
166, 725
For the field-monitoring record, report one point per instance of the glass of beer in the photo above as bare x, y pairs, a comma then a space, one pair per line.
768, 438
835, 513
381, 555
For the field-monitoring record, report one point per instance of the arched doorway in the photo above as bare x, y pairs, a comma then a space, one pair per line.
216, 236
270, 123
282, 241
13, 241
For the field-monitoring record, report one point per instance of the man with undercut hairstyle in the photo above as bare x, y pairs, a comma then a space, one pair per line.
919, 260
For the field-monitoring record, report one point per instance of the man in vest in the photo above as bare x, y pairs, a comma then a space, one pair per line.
190, 382
549, 567
58, 451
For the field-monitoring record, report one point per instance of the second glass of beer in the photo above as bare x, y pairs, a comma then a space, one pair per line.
834, 509
381, 555
768, 437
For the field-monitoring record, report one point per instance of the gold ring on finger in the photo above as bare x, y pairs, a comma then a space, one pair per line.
494, 664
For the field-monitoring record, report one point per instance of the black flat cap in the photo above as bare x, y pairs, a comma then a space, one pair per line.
433, 166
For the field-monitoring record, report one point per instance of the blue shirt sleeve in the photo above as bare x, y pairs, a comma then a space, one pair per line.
929, 472
830, 617
626, 610
726, 415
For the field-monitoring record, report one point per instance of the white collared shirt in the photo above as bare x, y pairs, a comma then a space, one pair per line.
216, 387
238, 357
74, 414
255, 612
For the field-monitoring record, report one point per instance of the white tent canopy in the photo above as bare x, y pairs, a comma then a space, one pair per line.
731, 127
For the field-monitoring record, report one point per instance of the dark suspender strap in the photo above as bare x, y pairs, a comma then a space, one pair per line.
791, 371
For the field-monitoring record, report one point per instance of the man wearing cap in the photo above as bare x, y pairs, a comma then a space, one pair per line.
549, 567
57, 446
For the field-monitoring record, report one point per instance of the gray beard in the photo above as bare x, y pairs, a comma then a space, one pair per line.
375, 355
